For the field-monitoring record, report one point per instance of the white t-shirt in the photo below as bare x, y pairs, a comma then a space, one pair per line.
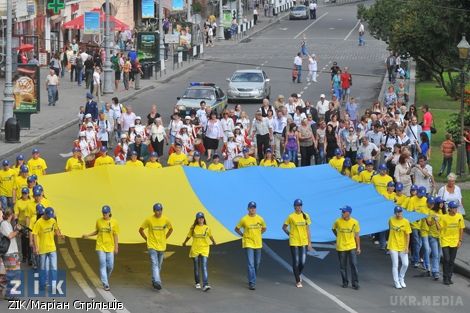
322, 107
127, 120
7, 229
96, 78
298, 60
312, 64
455, 196
367, 150
422, 180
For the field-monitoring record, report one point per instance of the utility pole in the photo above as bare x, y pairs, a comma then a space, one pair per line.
239, 13
8, 100
220, 29
188, 10
160, 30
108, 72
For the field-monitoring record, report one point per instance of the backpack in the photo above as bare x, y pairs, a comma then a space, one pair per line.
79, 62
4, 243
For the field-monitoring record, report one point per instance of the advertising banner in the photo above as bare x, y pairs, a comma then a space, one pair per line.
177, 5
26, 88
92, 23
148, 9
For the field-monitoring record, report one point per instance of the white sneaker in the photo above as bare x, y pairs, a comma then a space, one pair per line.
397, 285
198, 286
299, 285
206, 288
402, 283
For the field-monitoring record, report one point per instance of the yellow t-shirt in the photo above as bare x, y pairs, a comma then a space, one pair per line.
450, 229
433, 231
106, 230
177, 159
7, 182
45, 230
219, 167
399, 229
356, 178
392, 196
366, 176
247, 162
252, 227
298, 225
74, 164
37, 166
337, 163
288, 165
268, 163
419, 205
32, 206
136, 163
157, 228
22, 210
153, 164
200, 245
380, 183
20, 183
196, 164
355, 169
423, 228
401, 200
104, 160
346, 233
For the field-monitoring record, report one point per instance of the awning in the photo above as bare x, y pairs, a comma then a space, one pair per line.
78, 22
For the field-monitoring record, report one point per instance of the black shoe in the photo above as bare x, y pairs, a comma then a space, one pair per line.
446, 282
252, 287
355, 287
345, 285
156, 285
451, 282
436, 278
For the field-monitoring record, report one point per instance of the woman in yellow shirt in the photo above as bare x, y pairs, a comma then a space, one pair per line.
435, 248
197, 162
346, 169
398, 241
297, 227
107, 231
216, 165
199, 252
269, 160
451, 236
286, 163
22, 216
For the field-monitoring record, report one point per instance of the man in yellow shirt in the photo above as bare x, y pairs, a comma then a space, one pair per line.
104, 158
21, 182
177, 157
75, 162
153, 161
360, 162
158, 230
216, 165
106, 230
381, 180
286, 163
400, 198
366, 175
253, 227
247, 160
7, 183
348, 245
417, 204
337, 161
398, 241
451, 235
36, 164
357, 177
134, 161
44, 245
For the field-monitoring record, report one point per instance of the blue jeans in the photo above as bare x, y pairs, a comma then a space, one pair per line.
415, 245
383, 239
361, 40
293, 157
47, 266
299, 71
299, 255
446, 164
79, 75
156, 257
435, 255
253, 258
51, 94
344, 257
205, 276
426, 252
321, 153
106, 266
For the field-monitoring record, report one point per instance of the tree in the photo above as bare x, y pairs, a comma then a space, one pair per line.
429, 30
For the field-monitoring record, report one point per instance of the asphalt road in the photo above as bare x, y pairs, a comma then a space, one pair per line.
273, 50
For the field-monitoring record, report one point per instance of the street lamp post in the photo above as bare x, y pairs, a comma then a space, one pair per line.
464, 48
8, 92
220, 29
160, 30
108, 72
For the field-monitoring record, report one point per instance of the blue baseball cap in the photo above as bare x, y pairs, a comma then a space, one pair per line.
397, 209
246, 150
30, 179
360, 156
5, 163
103, 149
20, 157
414, 187
38, 187
76, 149
421, 191
178, 144
347, 162
25, 190
157, 207
106, 209
199, 214
391, 184
285, 157
251, 204
37, 192
153, 155
268, 150
452, 205
346, 208
298, 202
133, 152
431, 200
438, 199
369, 162
89, 95
337, 151
40, 209
360, 168
399, 187
35, 150
49, 212
383, 167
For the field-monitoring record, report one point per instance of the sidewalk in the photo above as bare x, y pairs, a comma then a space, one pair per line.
462, 261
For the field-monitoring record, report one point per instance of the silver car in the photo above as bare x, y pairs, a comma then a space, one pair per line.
248, 85
298, 12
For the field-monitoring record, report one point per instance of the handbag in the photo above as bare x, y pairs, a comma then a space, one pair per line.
433, 128
4, 243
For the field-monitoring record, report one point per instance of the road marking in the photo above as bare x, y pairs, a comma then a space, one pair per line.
288, 267
66, 155
283, 28
332, 28
83, 284
305, 87
313, 23
107, 295
67, 258
350, 32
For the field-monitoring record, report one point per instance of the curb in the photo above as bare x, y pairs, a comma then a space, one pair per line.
272, 22
64, 126
191, 66
462, 270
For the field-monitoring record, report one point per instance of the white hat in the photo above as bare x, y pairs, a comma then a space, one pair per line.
90, 124
82, 134
123, 136
184, 126
138, 118
88, 115
230, 135
237, 127
322, 95
132, 125
187, 117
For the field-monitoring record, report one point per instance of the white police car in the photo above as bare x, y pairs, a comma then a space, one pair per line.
199, 91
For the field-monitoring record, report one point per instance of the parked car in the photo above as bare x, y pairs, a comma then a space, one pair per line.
299, 12
251, 84
199, 91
